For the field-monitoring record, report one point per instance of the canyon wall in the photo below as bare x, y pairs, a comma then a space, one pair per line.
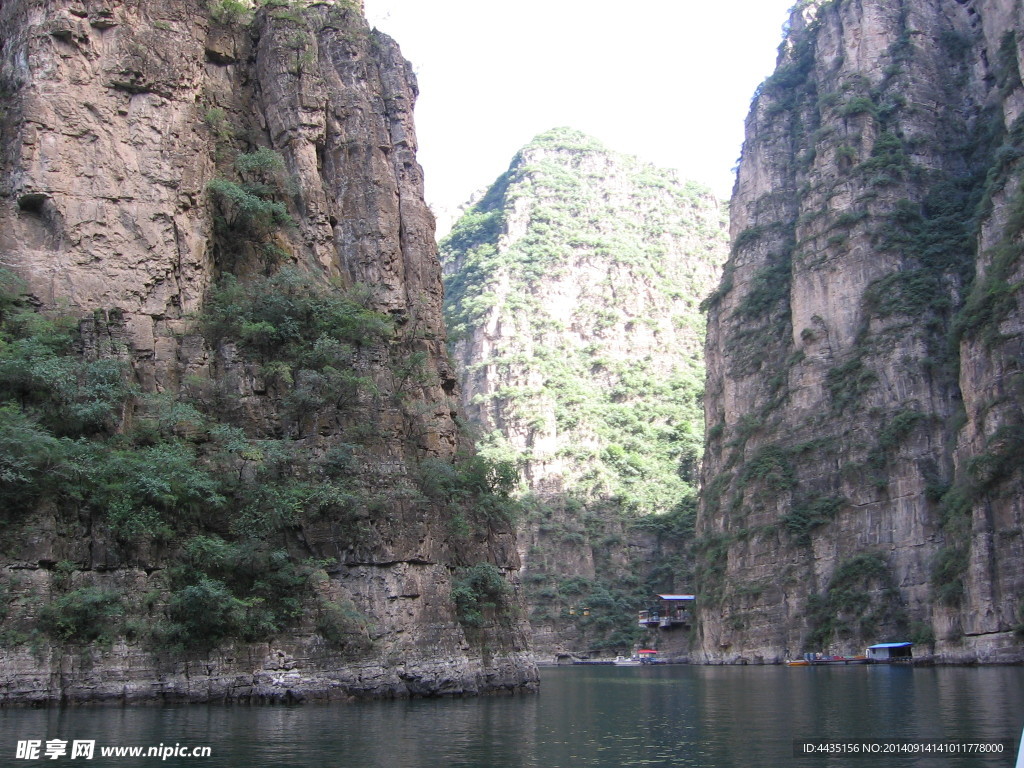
861, 478
227, 203
572, 294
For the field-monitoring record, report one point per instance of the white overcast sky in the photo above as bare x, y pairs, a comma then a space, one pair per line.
667, 80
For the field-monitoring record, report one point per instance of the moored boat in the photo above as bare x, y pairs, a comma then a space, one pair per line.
811, 660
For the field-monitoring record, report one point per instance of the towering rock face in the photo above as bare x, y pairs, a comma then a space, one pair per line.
573, 287
861, 477
149, 151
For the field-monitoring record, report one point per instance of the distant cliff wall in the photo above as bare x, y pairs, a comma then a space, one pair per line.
572, 294
862, 479
149, 153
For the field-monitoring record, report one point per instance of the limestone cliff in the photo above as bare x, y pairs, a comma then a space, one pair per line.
243, 482
573, 287
862, 479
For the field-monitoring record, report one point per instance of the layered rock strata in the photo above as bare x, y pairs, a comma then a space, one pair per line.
116, 119
861, 480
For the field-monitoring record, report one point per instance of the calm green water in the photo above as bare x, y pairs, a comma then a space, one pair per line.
584, 716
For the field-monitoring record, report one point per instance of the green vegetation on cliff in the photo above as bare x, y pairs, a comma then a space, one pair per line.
636, 410
196, 484
227, 429
572, 287
889, 225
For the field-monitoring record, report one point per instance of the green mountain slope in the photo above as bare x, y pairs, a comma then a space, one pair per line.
572, 294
